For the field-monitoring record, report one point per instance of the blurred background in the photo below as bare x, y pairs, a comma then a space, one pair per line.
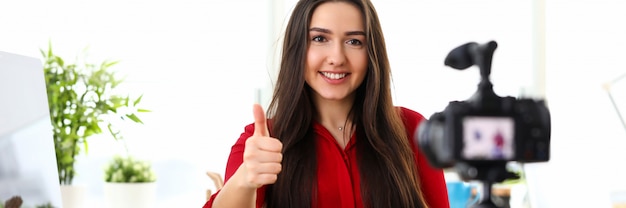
200, 66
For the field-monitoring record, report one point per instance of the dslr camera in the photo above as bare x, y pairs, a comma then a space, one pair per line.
480, 135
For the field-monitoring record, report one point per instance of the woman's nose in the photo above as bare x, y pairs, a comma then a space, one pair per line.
336, 55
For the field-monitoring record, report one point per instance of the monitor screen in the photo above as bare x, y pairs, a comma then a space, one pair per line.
488, 138
27, 157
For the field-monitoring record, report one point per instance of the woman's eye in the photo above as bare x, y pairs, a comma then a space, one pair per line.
318, 39
354, 42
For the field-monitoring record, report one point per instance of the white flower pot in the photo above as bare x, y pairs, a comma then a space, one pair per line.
73, 196
130, 195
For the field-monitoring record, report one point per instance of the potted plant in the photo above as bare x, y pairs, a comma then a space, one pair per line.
82, 100
129, 182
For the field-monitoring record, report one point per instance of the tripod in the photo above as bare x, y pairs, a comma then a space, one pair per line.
487, 175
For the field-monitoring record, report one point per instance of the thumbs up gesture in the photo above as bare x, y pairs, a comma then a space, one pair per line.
262, 155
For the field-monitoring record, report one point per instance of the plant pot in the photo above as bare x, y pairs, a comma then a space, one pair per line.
73, 196
130, 195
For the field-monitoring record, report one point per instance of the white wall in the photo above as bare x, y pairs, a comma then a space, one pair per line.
198, 64
585, 42
197, 60
419, 35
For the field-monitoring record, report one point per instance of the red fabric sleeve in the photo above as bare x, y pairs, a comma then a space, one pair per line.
432, 181
235, 159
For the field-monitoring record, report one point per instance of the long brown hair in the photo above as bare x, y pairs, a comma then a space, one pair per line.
386, 162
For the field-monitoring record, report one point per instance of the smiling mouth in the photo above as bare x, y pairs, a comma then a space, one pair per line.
334, 76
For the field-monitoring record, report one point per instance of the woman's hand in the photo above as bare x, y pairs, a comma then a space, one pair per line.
262, 155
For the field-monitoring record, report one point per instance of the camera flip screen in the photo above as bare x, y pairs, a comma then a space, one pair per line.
488, 138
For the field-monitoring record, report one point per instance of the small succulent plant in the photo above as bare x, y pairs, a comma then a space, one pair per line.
47, 205
128, 170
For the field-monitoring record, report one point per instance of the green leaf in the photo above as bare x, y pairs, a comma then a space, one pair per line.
143, 110
50, 48
137, 100
134, 118
86, 145
107, 64
43, 53
67, 159
89, 132
96, 128
59, 60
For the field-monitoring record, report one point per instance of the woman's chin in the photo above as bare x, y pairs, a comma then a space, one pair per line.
333, 97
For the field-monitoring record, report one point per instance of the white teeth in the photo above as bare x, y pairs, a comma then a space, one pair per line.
334, 75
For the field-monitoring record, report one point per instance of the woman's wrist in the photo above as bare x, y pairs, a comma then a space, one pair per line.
240, 181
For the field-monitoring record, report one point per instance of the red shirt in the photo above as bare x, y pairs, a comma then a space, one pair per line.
338, 178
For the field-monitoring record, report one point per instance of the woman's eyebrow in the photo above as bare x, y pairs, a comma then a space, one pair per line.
327, 31
322, 30
355, 33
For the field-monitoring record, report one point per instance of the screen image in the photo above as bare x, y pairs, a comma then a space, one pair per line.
488, 138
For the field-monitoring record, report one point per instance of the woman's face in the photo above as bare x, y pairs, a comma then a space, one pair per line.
336, 61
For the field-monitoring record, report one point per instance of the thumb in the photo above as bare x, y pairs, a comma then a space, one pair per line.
260, 122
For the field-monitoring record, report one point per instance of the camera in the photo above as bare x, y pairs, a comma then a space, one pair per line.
480, 135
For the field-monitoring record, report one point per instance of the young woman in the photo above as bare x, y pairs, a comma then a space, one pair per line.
333, 137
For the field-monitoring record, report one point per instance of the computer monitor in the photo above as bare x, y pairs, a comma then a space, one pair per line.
27, 157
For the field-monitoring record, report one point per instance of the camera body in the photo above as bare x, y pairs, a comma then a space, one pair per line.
486, 129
